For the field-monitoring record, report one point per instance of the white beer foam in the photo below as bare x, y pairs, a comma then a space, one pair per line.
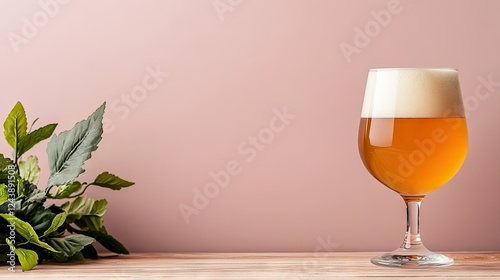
412, 93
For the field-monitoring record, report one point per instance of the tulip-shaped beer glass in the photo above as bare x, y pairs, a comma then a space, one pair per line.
413, 139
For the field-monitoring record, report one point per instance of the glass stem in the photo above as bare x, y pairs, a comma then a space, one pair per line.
412, 236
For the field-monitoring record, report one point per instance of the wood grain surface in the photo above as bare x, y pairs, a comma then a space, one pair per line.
290, 266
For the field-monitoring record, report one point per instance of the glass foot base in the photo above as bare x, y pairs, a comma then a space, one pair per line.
412, 258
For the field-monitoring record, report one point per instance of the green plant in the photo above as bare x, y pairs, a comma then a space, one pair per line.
34, 232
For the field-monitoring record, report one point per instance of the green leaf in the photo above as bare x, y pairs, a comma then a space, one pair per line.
41, 219
38, 197
27, 258
66, 190
5, 162
26, 231
23, 228
89, 252
78, 256
108, 241
35, 137
4, 193
69, 150
83, 206
111, 181
69, 245
58, 221
92, 223
29, 169
15, 126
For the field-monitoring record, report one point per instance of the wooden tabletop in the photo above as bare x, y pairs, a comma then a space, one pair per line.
289, 266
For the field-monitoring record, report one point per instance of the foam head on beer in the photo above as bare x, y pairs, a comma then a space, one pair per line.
412, 93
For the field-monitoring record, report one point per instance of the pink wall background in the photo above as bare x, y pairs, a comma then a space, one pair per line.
227, 72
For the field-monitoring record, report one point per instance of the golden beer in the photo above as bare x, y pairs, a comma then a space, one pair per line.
413, 156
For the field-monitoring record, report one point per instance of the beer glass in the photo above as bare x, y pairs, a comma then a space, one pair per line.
413, 139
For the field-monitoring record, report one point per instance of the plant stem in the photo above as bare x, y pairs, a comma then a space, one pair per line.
83, 191
47, 191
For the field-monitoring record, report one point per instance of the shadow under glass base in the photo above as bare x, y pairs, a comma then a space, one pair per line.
418, 257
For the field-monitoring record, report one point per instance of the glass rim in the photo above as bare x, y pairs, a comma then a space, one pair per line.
416, 68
